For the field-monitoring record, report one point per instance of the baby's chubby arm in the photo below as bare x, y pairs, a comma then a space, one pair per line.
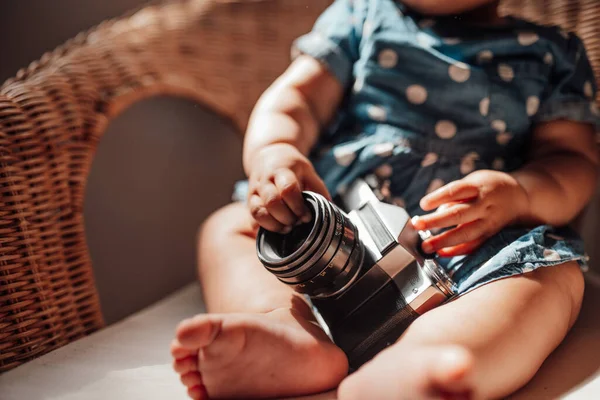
283, 128
552, 188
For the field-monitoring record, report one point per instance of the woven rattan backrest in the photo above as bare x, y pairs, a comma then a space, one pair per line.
53, 113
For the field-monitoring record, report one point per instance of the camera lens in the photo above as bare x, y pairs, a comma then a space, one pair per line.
319, 258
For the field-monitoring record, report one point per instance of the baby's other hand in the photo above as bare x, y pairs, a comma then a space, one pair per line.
279, 174
477, 207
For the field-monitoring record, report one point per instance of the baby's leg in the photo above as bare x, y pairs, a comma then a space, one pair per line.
486, 344
263, 340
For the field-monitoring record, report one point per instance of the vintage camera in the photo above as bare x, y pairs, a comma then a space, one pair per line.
364, 270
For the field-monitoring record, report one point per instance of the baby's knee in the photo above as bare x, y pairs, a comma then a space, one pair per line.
225, 223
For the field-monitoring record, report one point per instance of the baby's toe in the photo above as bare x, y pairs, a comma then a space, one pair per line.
198, 332
178, 351
198, 393
185, 365
191, 379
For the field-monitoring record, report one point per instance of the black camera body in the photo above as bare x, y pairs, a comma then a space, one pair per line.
363, 271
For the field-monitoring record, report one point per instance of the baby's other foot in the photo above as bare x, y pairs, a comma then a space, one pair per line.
274, 355
441, 372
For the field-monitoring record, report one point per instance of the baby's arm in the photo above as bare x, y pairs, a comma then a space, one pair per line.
561, 177
552, 188
283, 128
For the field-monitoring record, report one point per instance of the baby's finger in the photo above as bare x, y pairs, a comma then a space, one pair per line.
313, 182
461, 249
461, 234
272, 200
454, 191
457, 214
261, 215
289, 188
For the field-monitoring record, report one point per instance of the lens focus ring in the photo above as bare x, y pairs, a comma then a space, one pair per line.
320, 258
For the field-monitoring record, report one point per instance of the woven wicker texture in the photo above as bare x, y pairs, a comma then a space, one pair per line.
53, 113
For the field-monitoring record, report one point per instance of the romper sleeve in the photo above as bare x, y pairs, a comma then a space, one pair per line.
334, 40
572, 87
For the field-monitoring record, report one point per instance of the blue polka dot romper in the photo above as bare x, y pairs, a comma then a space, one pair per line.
429, 101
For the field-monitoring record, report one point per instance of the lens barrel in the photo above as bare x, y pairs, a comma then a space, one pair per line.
320, 258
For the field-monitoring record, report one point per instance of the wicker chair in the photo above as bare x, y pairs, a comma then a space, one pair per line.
222, 53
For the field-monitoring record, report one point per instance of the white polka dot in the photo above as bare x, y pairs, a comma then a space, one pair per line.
400, 202
377, 113
533, 104
551, 255
435, 185
451, 41
485, 56
484, 106
499, 125
588, 89
344, 155
416, 94
527, 38
467, 164
384, 171
426, 23
459, 72
388, 58
548, 58
555, 236
429, 159
383, 149
445, 129
358, 84
506, 72
503, 138
498, 164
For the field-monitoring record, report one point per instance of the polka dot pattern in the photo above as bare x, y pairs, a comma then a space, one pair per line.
467, 164
503, 138
527, 38
388, 58
484, 106
498, 164
416, 94
344, 156
533, 104
445, 129
485, 56
459, 72
377, 113
499, 125
548, 58
506, 72
429, 159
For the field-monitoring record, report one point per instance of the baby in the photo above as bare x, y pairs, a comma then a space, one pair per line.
482, 127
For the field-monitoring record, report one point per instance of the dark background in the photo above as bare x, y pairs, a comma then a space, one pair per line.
159, 170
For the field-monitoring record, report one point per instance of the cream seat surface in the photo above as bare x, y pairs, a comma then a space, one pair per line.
130, 360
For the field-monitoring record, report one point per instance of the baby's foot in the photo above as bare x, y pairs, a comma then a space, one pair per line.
273, 355
417, 374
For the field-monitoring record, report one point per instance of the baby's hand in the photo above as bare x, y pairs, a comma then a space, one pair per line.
477, 206
279, 174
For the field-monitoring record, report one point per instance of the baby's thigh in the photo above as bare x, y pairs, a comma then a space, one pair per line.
230, 221
514, 322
